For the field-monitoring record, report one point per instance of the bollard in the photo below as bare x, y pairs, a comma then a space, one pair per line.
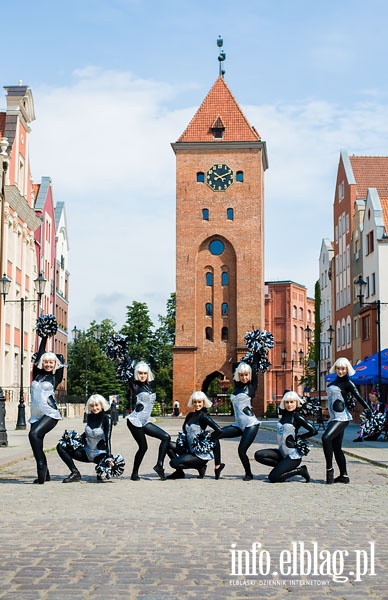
3, 430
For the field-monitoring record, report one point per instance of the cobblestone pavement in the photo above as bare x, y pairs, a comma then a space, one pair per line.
157, 540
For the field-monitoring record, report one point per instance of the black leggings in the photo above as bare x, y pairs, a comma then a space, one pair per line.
247, 438
332, 444
69, 456
184, 460
36, 436
139, 434
284, 466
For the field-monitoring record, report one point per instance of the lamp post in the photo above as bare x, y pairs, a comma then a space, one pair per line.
376, 305
40, 284
308, 332
284, 363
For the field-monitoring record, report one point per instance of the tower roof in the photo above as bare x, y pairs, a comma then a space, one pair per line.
220, 110
370, 172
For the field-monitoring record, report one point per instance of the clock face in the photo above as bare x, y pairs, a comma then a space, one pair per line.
219, 177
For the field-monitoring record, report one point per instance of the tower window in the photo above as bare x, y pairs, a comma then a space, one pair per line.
216, 247
205, 214
230, 214
240, 176
209, 333
209, 278
200, 177
209, 309
224, 334
224, 309
225, 278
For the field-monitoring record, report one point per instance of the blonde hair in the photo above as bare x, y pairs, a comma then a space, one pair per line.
290, 396
143, 366
200, 396
343, 362
97, 398
243, 367
49, 356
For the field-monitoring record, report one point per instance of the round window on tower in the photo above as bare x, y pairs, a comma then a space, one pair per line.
216, 247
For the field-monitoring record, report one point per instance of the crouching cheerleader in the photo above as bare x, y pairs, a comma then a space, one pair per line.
287, 458
94, 445
195, 445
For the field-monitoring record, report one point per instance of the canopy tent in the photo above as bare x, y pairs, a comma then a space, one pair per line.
367, 370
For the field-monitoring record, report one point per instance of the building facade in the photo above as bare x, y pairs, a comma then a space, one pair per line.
288, 312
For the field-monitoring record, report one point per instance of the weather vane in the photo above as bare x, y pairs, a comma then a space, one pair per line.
222, 55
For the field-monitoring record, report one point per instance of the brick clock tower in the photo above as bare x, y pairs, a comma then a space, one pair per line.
220, 164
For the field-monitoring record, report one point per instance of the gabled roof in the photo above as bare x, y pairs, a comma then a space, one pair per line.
370, 172
219, 104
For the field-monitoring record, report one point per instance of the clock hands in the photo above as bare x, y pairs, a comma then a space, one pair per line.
222, 177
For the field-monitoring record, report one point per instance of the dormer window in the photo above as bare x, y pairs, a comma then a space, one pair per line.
218, 129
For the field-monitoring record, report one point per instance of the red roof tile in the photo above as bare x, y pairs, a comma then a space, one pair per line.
370, 172
219, 104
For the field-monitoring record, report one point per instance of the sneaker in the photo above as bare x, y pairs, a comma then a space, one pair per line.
330, 475
160, 471
342, 479
358, 439
217, 472
178, 474
248, 477
75, 476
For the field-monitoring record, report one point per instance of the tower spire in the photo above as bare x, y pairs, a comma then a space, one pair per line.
221, 56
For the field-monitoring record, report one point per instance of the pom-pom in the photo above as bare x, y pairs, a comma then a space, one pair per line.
310, 407
71, 440
302, 446
372, 424
350, 403
116, 347
105, 469
125, 369
203, 442
258, 342
46, 326
181, 442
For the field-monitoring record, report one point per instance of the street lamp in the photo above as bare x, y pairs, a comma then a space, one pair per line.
376, 304
308, 332
284, 363
40, 284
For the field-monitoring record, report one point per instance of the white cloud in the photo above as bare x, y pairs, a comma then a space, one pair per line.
105, 142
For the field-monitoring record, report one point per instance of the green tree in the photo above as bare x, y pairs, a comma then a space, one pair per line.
89, 371
162, 358
138, 331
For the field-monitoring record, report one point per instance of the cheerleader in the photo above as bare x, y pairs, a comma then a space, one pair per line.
338, 392
246, 425
96, 439
138, 421
195, 449
47, 374
286, 460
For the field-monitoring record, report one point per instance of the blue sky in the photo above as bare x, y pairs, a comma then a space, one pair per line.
115, 82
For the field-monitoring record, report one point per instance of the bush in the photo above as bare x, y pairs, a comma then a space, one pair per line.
271, 410
156, 410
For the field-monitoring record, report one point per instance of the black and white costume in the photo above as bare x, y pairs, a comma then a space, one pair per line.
44, 411
286, 459
96, 444
338, 391
246, 425
198, 451
139, 425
